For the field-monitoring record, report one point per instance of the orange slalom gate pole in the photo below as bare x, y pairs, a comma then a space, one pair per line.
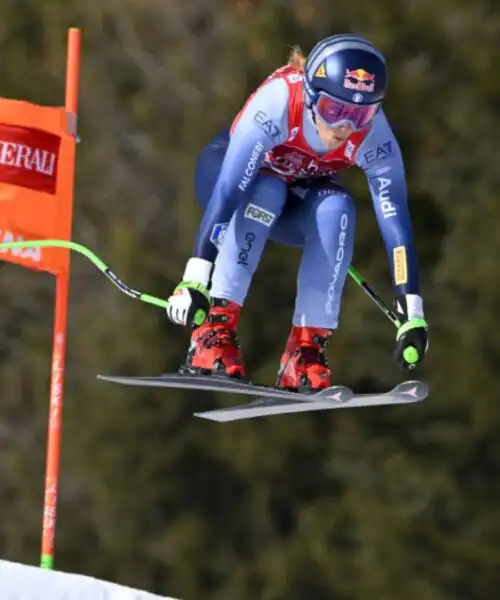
59, 342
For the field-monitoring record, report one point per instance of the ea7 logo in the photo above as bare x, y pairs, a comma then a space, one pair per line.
381, 152
267, 125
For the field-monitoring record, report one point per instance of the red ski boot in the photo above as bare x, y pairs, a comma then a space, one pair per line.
214, 345
303, 364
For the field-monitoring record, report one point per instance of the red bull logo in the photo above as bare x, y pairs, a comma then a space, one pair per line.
359, 80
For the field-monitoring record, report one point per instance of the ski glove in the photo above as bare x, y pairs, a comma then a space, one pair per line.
190, 301
411, 338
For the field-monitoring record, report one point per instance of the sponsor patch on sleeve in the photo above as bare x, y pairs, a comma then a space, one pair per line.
256, 213
218, 233
400, 265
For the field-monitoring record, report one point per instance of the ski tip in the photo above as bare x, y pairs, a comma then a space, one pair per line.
412, 390
210, 415
111, 378
120, 379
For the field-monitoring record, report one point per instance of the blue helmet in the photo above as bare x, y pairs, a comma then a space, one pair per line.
345, 79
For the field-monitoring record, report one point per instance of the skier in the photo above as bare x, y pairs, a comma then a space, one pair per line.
274, 174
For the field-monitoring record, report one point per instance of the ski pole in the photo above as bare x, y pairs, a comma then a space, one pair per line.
123, 287
390, 314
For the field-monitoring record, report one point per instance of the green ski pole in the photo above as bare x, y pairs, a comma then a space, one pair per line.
162, 303
121, 285
390, 314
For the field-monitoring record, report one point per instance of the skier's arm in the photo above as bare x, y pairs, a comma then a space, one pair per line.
262, 126
381, 159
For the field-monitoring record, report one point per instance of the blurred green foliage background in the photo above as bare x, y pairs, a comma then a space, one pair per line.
372, 503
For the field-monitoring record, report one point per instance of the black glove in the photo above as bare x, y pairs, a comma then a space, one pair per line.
411, 338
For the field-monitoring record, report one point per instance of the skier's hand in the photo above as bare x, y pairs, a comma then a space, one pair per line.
411, 338
190, 301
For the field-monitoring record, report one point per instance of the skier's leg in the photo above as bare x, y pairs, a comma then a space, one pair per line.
326, 258
246, 236
327, 218
215, 342
214, 345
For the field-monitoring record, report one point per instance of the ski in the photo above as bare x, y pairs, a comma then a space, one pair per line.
334, 397
274, 401
195, 381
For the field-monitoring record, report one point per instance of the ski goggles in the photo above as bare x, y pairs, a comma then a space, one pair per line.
335, 113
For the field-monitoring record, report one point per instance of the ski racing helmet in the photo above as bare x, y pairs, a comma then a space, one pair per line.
345, 80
